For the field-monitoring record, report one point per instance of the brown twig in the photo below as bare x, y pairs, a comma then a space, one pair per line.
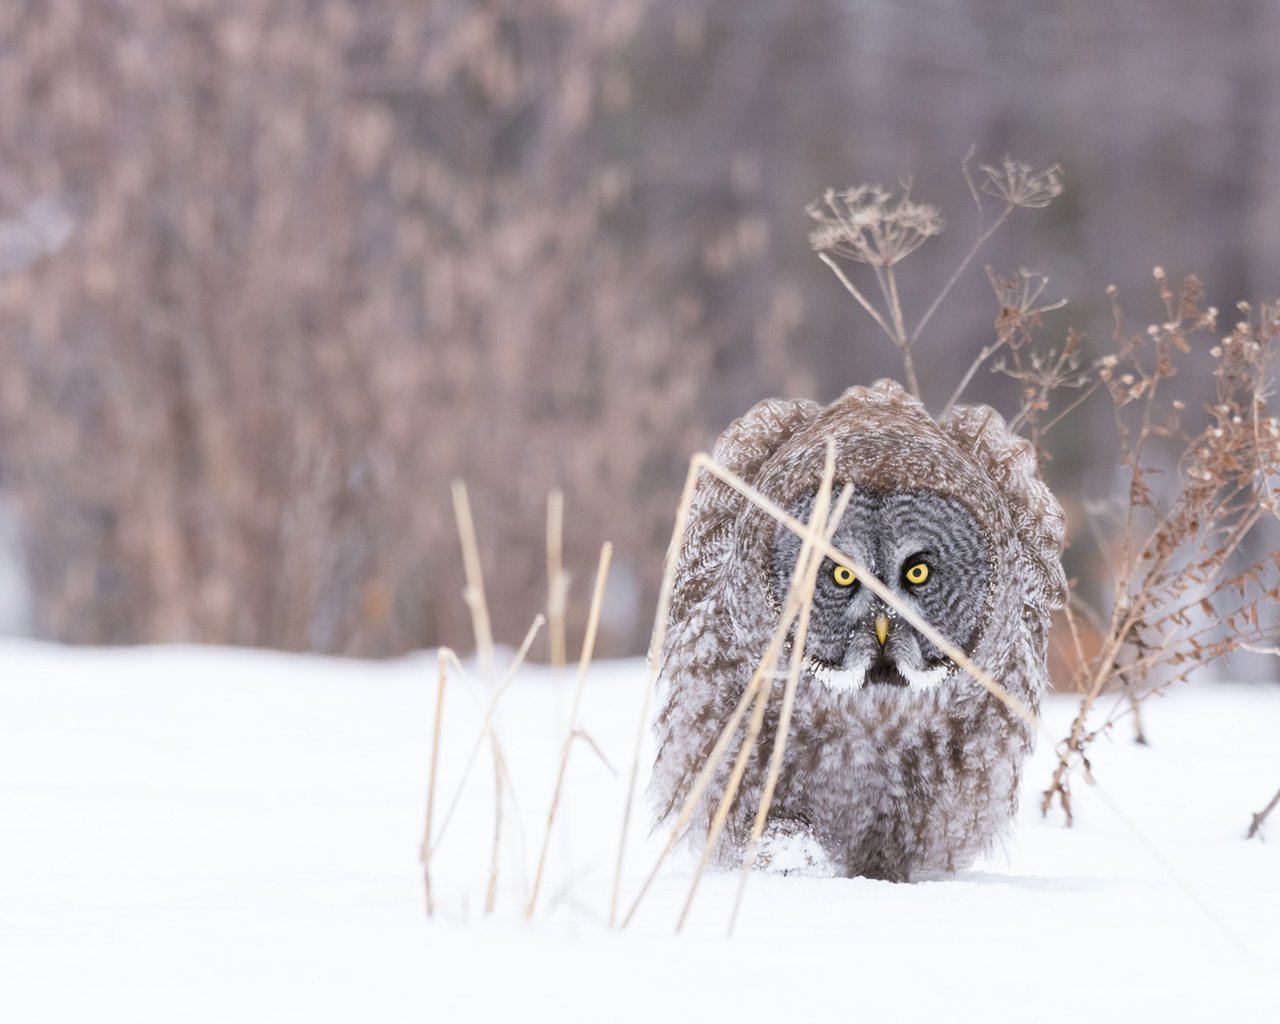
1261, 816
1175, 562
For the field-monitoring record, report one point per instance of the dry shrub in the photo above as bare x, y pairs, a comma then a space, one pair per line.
326, 257
1186, 592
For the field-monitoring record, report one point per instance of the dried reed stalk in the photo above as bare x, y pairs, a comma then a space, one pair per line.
495, 852
424, 852
557, 580
474, 592
658, 638
799, 593
784, 717
488, 727
588, 649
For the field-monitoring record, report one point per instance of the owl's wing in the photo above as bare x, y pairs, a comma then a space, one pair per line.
742, 449
1010, 461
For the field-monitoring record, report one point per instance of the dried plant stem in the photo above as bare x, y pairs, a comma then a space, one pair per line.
900, 333
487, 727
424, 852
588, 649
1129, 613
1066, 751
987, 352
557, 582
1139, 734
474, 593
495, 856
657, 640
711, 763
788, 705
713, 759
862, 300
974, 249
760, 696
800, 594
1261, 816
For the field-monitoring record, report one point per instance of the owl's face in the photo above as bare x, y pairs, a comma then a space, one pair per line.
928, 550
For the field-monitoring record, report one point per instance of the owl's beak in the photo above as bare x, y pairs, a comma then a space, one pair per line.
882, 628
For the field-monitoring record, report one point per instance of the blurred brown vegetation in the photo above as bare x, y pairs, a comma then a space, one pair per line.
272, 273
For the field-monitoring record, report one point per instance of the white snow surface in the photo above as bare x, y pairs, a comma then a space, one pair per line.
200, 834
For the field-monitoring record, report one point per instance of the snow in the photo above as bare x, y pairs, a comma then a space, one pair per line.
201, 834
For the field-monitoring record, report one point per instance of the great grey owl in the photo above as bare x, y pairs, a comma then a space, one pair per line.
897, 761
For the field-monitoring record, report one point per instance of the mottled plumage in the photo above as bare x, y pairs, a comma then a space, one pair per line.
897, 761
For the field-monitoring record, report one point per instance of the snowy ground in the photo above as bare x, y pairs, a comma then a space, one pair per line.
208, 835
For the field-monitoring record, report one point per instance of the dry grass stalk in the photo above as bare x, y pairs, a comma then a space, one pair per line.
655, 663
588, 649
788, 705
869, 224
488, 727
799, 598
424, 852
557, 579
1015, 326
474, 593
495, 852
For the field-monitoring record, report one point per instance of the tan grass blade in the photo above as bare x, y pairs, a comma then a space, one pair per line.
801, 589
474, 593
424, 852
495, 854
788, 697
588, 649
487, 727
658, 638
557, 580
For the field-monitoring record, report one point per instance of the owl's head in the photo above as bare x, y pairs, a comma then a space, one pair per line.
950, 514
928, 549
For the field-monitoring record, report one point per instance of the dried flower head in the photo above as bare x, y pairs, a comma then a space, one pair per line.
870, 224
1019, 185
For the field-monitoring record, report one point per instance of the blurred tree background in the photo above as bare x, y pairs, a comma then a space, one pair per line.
273, 273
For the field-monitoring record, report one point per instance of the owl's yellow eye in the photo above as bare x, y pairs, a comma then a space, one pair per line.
843, 577
917, 574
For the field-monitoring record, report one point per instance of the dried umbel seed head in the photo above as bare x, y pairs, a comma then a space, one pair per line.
1018, 184
872, 225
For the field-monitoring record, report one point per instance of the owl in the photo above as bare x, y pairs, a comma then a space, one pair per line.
897, 761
